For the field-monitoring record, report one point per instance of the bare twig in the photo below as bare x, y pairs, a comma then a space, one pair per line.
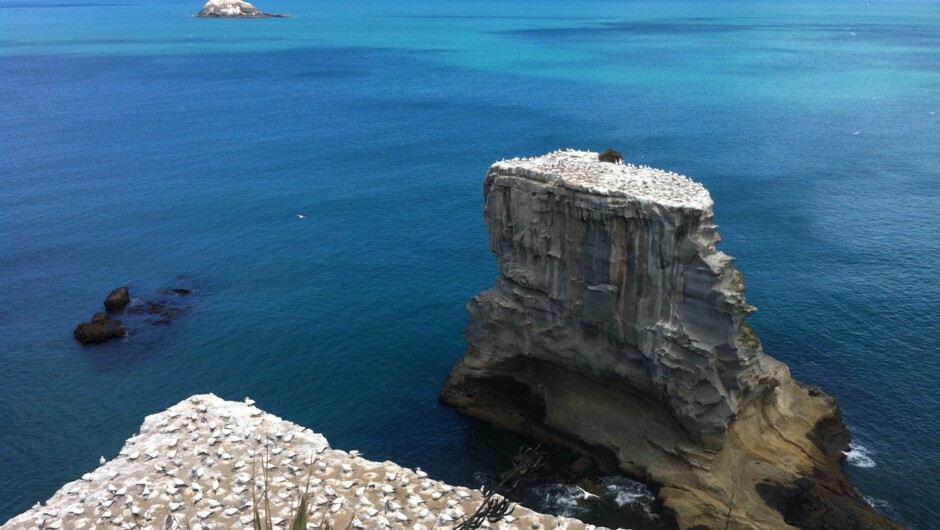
495, 504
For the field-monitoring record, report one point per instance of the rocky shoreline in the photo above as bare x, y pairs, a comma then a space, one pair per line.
195, 465
618, 330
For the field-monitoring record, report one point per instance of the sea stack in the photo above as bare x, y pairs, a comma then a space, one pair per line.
232, 9
617, 329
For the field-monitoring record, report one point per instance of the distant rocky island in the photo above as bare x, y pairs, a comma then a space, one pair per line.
618, 330
233, 9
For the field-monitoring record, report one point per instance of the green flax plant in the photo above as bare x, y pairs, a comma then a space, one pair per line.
301, 515
298, 520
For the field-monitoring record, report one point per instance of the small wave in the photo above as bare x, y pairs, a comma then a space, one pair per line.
877, 504
859, 456
631, 495
563, 499
619, 495
884, 508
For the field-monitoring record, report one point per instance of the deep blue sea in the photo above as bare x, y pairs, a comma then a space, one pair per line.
141, 146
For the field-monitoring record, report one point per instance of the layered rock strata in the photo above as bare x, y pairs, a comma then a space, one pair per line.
196, 464
616, 328
233, 9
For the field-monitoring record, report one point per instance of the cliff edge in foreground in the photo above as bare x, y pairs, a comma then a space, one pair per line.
617, 329
195, 466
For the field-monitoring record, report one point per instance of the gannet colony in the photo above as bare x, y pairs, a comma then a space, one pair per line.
194, 467
581, 170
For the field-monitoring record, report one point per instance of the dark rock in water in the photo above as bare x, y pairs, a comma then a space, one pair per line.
233, 9
117, 300
102, 328
162, 311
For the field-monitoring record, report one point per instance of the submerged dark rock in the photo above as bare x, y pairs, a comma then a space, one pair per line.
158, 311
102, 328
161, 311
117, 300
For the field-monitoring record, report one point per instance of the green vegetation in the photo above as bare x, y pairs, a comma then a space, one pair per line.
737, 281
493, 508
262, 519
748, 337
301, 513
611, 155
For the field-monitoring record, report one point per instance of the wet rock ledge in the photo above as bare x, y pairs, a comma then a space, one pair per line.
194, 463
617, 329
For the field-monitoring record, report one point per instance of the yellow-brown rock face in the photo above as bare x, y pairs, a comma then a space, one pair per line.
618, 329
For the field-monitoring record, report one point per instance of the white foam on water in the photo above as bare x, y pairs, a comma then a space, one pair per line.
570, 500
859, 456
564, 499
630, 495
884, 508
877, 504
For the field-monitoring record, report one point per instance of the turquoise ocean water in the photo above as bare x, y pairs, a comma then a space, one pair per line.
141, 146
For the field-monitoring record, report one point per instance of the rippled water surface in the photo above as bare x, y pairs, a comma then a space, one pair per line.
141, 146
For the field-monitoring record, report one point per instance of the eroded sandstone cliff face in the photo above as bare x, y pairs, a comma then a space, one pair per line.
618, 329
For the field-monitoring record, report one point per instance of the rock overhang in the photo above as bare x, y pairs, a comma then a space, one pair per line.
621, 329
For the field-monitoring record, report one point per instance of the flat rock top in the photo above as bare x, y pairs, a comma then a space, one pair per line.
581, 170
197, 465
233, 9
